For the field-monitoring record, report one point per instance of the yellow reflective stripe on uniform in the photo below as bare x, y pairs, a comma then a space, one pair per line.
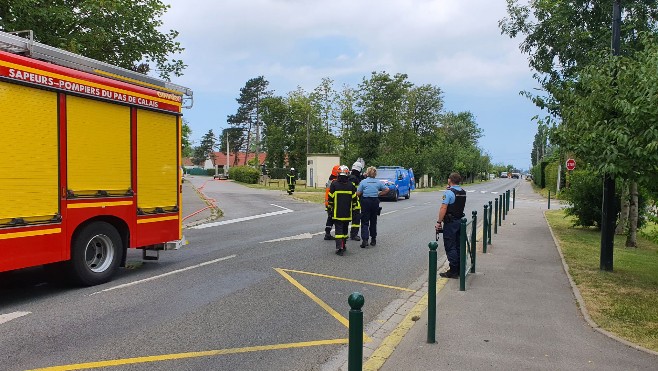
346, 192
356, 225
339, 236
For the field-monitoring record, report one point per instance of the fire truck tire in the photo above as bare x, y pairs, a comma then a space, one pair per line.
95, 254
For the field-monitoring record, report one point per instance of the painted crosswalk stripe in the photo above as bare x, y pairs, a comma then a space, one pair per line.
11, 316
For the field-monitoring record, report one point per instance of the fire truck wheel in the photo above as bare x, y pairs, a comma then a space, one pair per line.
95, 254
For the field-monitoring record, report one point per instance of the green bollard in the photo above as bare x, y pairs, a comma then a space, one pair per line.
504, 211
507, 204
500, 211
549, 199
496, 217
355, 345
474, 233
485, 229
513, 198
489, 227
431, 295
462, 255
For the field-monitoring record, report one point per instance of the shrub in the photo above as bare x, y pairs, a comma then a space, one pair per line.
244, 174
584, 196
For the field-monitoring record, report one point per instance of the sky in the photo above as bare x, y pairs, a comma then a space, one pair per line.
453, 44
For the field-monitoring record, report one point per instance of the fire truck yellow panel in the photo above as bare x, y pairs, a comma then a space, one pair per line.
28, 141
98, 147
157, 171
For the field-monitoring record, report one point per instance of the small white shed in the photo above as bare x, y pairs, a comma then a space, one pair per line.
318, 168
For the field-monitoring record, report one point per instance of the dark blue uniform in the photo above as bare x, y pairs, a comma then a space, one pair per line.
455, 198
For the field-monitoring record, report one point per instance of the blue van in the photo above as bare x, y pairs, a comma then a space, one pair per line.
400, 181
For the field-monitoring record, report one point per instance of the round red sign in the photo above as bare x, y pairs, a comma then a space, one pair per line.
571, 164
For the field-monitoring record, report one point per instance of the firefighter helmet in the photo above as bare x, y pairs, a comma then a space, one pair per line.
334, 171
343, 170
292, 169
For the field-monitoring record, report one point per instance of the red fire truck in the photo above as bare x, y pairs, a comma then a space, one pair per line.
90, 161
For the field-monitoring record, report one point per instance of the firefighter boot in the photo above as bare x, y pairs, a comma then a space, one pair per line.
340, 246
354, 234
327, 234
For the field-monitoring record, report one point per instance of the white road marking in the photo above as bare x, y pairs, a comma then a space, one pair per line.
409, 207
494, 193
164, 275
302, 236
390, 212
10, 316
244, 219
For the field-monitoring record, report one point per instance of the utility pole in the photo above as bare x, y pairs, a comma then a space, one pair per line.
608, 212
228, 152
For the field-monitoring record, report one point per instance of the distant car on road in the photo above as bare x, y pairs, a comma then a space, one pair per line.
516, 175
399, 181
503, 174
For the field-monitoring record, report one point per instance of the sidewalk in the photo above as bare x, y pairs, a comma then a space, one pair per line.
518, 311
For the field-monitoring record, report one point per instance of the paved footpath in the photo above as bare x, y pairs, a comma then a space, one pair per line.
519, 311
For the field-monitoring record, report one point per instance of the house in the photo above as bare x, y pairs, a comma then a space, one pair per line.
220, 159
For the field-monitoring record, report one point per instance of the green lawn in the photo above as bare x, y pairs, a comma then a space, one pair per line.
624, 301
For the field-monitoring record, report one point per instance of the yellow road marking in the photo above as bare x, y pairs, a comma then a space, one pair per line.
319, 301
388, 345
174, 356
350, 280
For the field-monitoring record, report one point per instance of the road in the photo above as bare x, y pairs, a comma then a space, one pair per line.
257, 289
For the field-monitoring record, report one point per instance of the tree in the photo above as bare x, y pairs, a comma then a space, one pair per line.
186, 144
125, 33
247, 117
205, 150
324, 98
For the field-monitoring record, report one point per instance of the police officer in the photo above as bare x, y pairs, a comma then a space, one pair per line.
369, 190
355, 178
330, 219
342, 201
291, 179
449, 220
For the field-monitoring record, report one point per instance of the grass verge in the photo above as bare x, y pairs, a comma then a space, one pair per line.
625, 301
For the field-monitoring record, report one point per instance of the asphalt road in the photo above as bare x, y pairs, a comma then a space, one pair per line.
245, 294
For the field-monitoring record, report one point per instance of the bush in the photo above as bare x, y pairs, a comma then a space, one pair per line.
585, 196
244, 174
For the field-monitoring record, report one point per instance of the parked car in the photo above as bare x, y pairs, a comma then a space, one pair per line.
400, 181
503, 174
516, 175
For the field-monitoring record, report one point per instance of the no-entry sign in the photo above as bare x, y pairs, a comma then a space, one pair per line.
571, 164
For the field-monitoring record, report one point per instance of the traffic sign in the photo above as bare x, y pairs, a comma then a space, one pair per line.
571, 164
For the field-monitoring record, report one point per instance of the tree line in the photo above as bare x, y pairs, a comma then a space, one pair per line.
601, 109
385, 119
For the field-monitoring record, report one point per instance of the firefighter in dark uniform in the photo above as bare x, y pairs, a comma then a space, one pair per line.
342, 201
291, 179
330, 219
449, 220
355, 178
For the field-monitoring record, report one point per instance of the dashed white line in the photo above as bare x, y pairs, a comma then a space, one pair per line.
164, 275
390, 212
11, 316
244, 219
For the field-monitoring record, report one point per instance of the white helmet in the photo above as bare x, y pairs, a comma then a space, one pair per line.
343, 170
292, 169
357, 166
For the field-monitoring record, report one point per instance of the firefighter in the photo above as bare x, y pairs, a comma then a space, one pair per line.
330, 220
291, 179
355, 178
342, 201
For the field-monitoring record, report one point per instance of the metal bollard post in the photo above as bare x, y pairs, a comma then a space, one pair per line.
431, 295
507, 206
500, 211
462, 255
355, 344
489, 227
504, 211
514, 198
474, 232
496, 217
485, 229
549, 199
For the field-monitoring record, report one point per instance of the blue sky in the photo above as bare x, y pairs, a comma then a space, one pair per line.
453, 44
